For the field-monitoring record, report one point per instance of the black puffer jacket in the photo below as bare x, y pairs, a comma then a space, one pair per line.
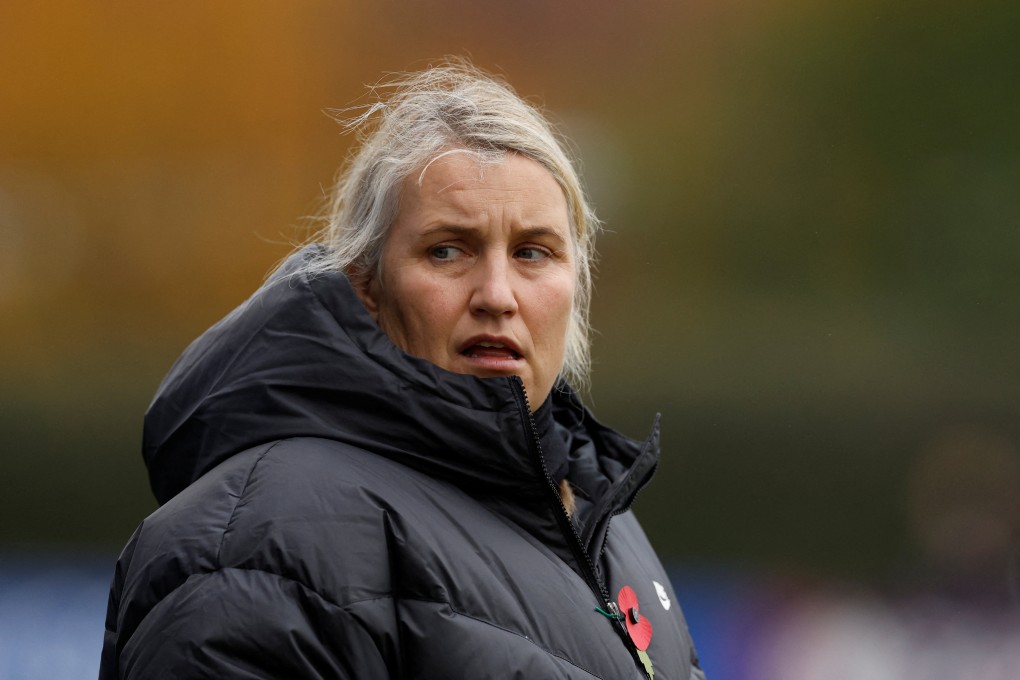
334, 508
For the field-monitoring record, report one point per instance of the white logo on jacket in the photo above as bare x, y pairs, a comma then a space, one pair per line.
663, 597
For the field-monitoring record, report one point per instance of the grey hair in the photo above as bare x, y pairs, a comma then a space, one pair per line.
453, 106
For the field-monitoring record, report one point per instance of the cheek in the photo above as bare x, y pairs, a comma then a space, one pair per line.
418, 317
554, 304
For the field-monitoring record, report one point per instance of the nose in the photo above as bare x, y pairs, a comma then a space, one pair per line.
493, 291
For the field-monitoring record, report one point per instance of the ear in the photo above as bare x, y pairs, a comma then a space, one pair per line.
366, 289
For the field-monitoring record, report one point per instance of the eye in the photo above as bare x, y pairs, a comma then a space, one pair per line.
531, 253
443, 252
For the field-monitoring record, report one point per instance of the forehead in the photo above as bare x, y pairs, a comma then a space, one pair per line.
464, 181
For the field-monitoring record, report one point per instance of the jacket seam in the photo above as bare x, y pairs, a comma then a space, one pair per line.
511, 632
264, 572
237, 502
306, 586
455, 610
354, 603
393, 596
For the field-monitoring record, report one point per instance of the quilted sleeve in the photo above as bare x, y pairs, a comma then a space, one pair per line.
237, 623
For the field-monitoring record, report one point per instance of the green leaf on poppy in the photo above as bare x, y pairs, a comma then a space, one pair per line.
647, 661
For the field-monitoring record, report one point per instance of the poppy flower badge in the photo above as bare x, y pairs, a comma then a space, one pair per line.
638, 627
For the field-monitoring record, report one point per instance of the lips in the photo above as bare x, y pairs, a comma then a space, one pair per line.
490, 348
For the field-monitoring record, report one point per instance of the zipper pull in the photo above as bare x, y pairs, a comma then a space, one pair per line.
613, 614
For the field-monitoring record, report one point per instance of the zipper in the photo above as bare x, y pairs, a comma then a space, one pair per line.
587, 566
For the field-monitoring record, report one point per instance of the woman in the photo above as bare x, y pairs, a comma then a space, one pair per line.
375, 467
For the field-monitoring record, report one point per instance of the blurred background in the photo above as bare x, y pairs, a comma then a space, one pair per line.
811, 268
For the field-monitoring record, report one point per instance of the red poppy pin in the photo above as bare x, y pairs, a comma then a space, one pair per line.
639, 628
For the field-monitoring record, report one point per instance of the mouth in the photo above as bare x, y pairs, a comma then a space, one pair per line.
490, 349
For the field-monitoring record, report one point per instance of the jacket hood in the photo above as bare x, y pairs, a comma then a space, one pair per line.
302, 357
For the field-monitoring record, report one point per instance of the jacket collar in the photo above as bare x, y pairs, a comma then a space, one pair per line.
303, 358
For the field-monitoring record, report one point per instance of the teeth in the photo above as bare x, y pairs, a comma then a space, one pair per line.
491, 344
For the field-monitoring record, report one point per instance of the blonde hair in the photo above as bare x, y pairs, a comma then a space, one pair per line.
451, 106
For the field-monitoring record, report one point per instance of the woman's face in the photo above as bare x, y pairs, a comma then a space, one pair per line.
477, 272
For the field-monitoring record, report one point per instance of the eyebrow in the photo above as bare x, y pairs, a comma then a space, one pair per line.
528, 232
